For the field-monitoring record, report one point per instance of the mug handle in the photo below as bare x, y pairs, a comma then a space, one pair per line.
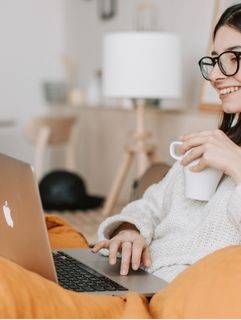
172, 150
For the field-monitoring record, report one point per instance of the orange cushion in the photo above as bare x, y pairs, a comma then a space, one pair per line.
62, 235
211, 288
24, 294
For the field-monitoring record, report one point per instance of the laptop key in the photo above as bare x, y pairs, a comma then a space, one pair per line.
100, 289
79, 290
109, 288
88, 289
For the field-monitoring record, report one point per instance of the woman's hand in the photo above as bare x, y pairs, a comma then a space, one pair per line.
215, 150
133, 248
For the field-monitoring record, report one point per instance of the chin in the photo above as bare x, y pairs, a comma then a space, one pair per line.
230, 110
229, 107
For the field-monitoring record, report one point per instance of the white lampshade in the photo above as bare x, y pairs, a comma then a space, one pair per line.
141, 65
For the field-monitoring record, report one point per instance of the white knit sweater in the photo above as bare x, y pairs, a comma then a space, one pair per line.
180, 231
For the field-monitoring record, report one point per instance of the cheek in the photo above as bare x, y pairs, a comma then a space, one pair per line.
213, 86
237, 76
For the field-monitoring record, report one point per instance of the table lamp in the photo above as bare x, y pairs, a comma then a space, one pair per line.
139, 66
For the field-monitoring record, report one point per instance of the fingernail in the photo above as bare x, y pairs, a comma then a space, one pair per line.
123, 272
135, 266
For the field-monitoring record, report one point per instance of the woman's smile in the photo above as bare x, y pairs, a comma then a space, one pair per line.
228, 90
227, 87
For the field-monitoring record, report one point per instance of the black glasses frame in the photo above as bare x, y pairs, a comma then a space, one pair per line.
217, 60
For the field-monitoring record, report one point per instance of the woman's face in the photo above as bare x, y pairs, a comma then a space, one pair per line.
228, 88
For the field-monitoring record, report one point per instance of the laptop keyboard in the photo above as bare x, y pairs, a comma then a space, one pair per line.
74, 275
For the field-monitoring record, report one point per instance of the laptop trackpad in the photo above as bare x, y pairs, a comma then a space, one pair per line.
138, 281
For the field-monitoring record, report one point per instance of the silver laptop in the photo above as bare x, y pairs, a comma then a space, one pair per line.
24, 240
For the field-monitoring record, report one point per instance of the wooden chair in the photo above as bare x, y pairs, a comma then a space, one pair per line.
152, 175
44, 131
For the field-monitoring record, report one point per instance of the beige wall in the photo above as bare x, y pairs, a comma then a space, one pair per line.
191, 19
32, 34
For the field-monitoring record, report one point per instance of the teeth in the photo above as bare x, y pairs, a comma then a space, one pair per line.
229, 90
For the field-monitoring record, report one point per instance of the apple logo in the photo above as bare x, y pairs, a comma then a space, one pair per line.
7, 214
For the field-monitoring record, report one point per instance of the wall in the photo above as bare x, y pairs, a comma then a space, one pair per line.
191, 19
32, 34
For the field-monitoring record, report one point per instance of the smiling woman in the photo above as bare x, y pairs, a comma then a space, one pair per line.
208, 98
222, 68
167, 231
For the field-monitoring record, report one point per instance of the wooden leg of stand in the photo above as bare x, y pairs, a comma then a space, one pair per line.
142, 163
118, 183
152, 156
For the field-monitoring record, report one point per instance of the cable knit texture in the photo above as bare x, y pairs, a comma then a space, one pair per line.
180, 231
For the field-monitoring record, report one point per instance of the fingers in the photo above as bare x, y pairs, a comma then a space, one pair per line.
146, 257
216, 137
195, 153
126, 257
101, 245
133, 251
137, 250
190, 135
206, 146
113, 250
113, 246
199, 166
197, 159
191, 143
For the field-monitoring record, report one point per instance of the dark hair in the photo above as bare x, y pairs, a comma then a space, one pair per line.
232, 18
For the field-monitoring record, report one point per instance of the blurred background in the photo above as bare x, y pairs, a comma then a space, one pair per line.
51, 63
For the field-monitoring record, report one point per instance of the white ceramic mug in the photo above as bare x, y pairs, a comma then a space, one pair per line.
198, 185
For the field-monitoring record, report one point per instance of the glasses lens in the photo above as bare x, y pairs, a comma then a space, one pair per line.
228, 63
206, 66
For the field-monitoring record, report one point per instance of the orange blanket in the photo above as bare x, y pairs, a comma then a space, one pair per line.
24, 294
211, 288
62, 235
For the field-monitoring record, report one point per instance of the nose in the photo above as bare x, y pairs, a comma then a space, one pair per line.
216, 73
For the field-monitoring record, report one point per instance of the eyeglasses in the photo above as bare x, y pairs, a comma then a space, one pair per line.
228, 63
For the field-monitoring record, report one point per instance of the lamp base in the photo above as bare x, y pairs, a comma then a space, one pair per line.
144, 152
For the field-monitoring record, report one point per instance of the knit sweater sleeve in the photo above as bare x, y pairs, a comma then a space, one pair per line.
144, 213
234, 206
